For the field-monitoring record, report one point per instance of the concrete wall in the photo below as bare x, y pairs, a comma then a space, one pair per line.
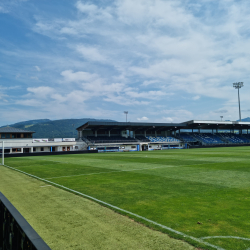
27, 145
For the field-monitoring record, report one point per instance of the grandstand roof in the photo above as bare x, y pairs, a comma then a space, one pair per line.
14, 130
97, 125
198, 124
193, 124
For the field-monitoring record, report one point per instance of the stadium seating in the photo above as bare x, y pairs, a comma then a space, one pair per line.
233, 138
208, 138
246, 136
186, 137
161, 139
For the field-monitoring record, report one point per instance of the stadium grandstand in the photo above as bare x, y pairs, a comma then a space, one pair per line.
134, 136
131, 136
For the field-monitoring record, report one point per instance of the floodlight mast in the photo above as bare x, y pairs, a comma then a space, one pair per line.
126, 113
238, 85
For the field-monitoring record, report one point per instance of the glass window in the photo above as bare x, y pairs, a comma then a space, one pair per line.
42, 149
3, 136
7, 136
16, 150
13, 136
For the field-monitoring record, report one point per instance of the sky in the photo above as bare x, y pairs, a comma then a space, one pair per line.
160, 60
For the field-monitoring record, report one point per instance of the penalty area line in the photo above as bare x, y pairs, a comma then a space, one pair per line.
120, 209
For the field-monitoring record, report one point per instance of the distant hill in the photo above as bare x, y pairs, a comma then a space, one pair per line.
45, 128
246, 119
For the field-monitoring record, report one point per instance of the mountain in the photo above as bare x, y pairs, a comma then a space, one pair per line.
45, 128
246, 119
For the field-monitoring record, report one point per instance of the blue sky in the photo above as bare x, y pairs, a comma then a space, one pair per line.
162, 61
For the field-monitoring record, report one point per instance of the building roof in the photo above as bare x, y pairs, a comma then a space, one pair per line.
99, 125
14, 130
144, 126
198, 124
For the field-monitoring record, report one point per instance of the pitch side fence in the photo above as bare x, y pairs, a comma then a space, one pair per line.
15, 232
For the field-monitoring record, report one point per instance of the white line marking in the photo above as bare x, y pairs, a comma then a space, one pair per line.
225, 237
122, 210
46, 186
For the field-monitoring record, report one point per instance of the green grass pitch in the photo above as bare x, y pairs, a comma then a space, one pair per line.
202, 193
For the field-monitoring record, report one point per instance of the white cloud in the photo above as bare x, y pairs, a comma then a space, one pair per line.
168, 119
90, 53
197, 97
144, 118
3, 10
145, 95
37, 68
221, 111
154, 54
177, 115
70, 76
86, 8
34, 78
41, 92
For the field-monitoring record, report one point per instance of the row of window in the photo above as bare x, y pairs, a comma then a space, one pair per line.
9, 136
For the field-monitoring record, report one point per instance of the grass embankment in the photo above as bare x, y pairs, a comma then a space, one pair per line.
67, 221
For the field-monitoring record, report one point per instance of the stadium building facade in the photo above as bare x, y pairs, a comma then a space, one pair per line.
21, 141
131, 136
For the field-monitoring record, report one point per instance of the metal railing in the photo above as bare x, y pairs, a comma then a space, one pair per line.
15, 232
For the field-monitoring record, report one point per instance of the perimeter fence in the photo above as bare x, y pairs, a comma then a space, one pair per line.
15, 232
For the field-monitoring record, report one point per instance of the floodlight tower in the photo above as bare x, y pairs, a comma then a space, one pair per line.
238, 85
221, 117
126, 113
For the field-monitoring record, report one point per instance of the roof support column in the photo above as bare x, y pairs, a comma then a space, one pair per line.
95, 133
145, 133
109, 133
80, 134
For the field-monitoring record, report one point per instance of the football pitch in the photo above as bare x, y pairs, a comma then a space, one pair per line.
199, 195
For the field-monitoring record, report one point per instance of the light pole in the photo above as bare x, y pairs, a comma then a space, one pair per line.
238, 85
73, 130
221, 117
126, 113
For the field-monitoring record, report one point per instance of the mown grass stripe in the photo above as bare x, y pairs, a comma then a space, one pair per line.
122, 210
